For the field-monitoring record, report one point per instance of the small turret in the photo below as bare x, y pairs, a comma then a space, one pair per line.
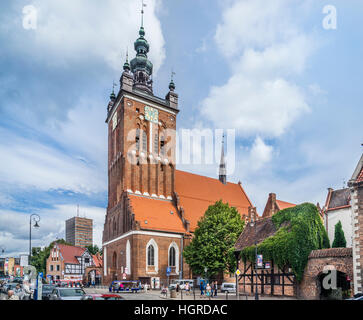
172, 97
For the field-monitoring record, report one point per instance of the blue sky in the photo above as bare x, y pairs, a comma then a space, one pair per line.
289, 88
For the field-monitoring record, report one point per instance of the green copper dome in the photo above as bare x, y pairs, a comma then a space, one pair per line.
140, 62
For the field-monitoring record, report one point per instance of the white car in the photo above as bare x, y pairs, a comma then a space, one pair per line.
228, 287
182, 284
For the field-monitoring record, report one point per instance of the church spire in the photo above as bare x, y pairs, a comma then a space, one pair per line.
222, 166
141, 67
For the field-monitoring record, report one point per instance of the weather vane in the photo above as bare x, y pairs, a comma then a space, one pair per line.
142, 12
172, 74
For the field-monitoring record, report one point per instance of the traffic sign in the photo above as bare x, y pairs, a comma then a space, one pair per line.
238, 272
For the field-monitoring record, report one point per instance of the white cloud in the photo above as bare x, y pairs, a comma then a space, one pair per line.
31, 164
14, 227
253, 23
260, 154
74, 31
254, 106
265, 50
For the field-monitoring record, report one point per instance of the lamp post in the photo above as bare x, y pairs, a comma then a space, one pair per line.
34, 217
2, 249
253, 223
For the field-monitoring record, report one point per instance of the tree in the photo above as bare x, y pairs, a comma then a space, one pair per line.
212, 246
93, 249
339, 238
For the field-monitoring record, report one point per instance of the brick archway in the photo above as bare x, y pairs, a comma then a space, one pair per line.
339, 259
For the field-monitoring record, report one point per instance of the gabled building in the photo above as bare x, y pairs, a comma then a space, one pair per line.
153, 209
273, 205
68, 263
337, 208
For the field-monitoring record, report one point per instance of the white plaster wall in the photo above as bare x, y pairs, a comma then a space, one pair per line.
345, 216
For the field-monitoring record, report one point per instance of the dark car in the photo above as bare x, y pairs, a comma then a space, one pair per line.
47, 289
95, 296
60, 293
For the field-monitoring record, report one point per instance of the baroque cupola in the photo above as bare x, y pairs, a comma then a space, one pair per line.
141, 67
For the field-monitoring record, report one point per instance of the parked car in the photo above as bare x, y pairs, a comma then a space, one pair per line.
95, 296
47, 289
66, 294
18, 280
182, 283
228, 287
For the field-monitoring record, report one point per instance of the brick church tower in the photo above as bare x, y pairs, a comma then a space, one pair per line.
141, 133
153, 209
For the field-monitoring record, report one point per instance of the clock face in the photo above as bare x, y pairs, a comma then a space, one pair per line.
114, 121
151, 114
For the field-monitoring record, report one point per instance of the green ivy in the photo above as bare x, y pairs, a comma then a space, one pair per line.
299, 231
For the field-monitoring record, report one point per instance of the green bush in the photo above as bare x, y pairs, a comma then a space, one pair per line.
299, 231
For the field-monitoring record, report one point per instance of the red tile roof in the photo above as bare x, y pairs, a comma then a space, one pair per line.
284, 205
97, 260
155, 214
196, 193
69, 253
360, 176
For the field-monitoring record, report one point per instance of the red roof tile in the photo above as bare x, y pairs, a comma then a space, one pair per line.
69, 253
155, 214
196, 193
284, 205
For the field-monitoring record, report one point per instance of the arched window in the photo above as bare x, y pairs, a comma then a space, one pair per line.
144, 141
137, 139
172, 257
128, 257
150, 255
156, 143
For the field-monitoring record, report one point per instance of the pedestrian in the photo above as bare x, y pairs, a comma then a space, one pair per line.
18, 291
212, 289
177, 288
187, 288
215, 288
201, 286
12, 296
208, 289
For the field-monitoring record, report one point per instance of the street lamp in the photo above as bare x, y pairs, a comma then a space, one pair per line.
35, 218
2, 249
253, 223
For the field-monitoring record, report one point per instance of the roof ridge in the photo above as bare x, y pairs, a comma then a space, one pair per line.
215, 179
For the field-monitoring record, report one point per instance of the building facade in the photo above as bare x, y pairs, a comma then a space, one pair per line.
153, 209
356, 190
68, 263
337, 208
79, 231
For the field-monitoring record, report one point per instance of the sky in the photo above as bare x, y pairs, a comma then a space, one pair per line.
283, 75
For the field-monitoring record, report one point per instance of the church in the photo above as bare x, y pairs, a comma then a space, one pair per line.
153, 208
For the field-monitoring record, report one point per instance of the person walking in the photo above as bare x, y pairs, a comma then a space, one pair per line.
208, 290
18, 291
187, 288
201, 286
12, 296
215, 288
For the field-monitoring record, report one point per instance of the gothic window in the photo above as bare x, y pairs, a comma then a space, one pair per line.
144, 141
156, 143
162, 145
172, 257
150, 255
137, 138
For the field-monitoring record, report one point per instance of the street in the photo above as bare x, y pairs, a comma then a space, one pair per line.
156, 295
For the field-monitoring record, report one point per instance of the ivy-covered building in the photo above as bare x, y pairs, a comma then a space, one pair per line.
285, 241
